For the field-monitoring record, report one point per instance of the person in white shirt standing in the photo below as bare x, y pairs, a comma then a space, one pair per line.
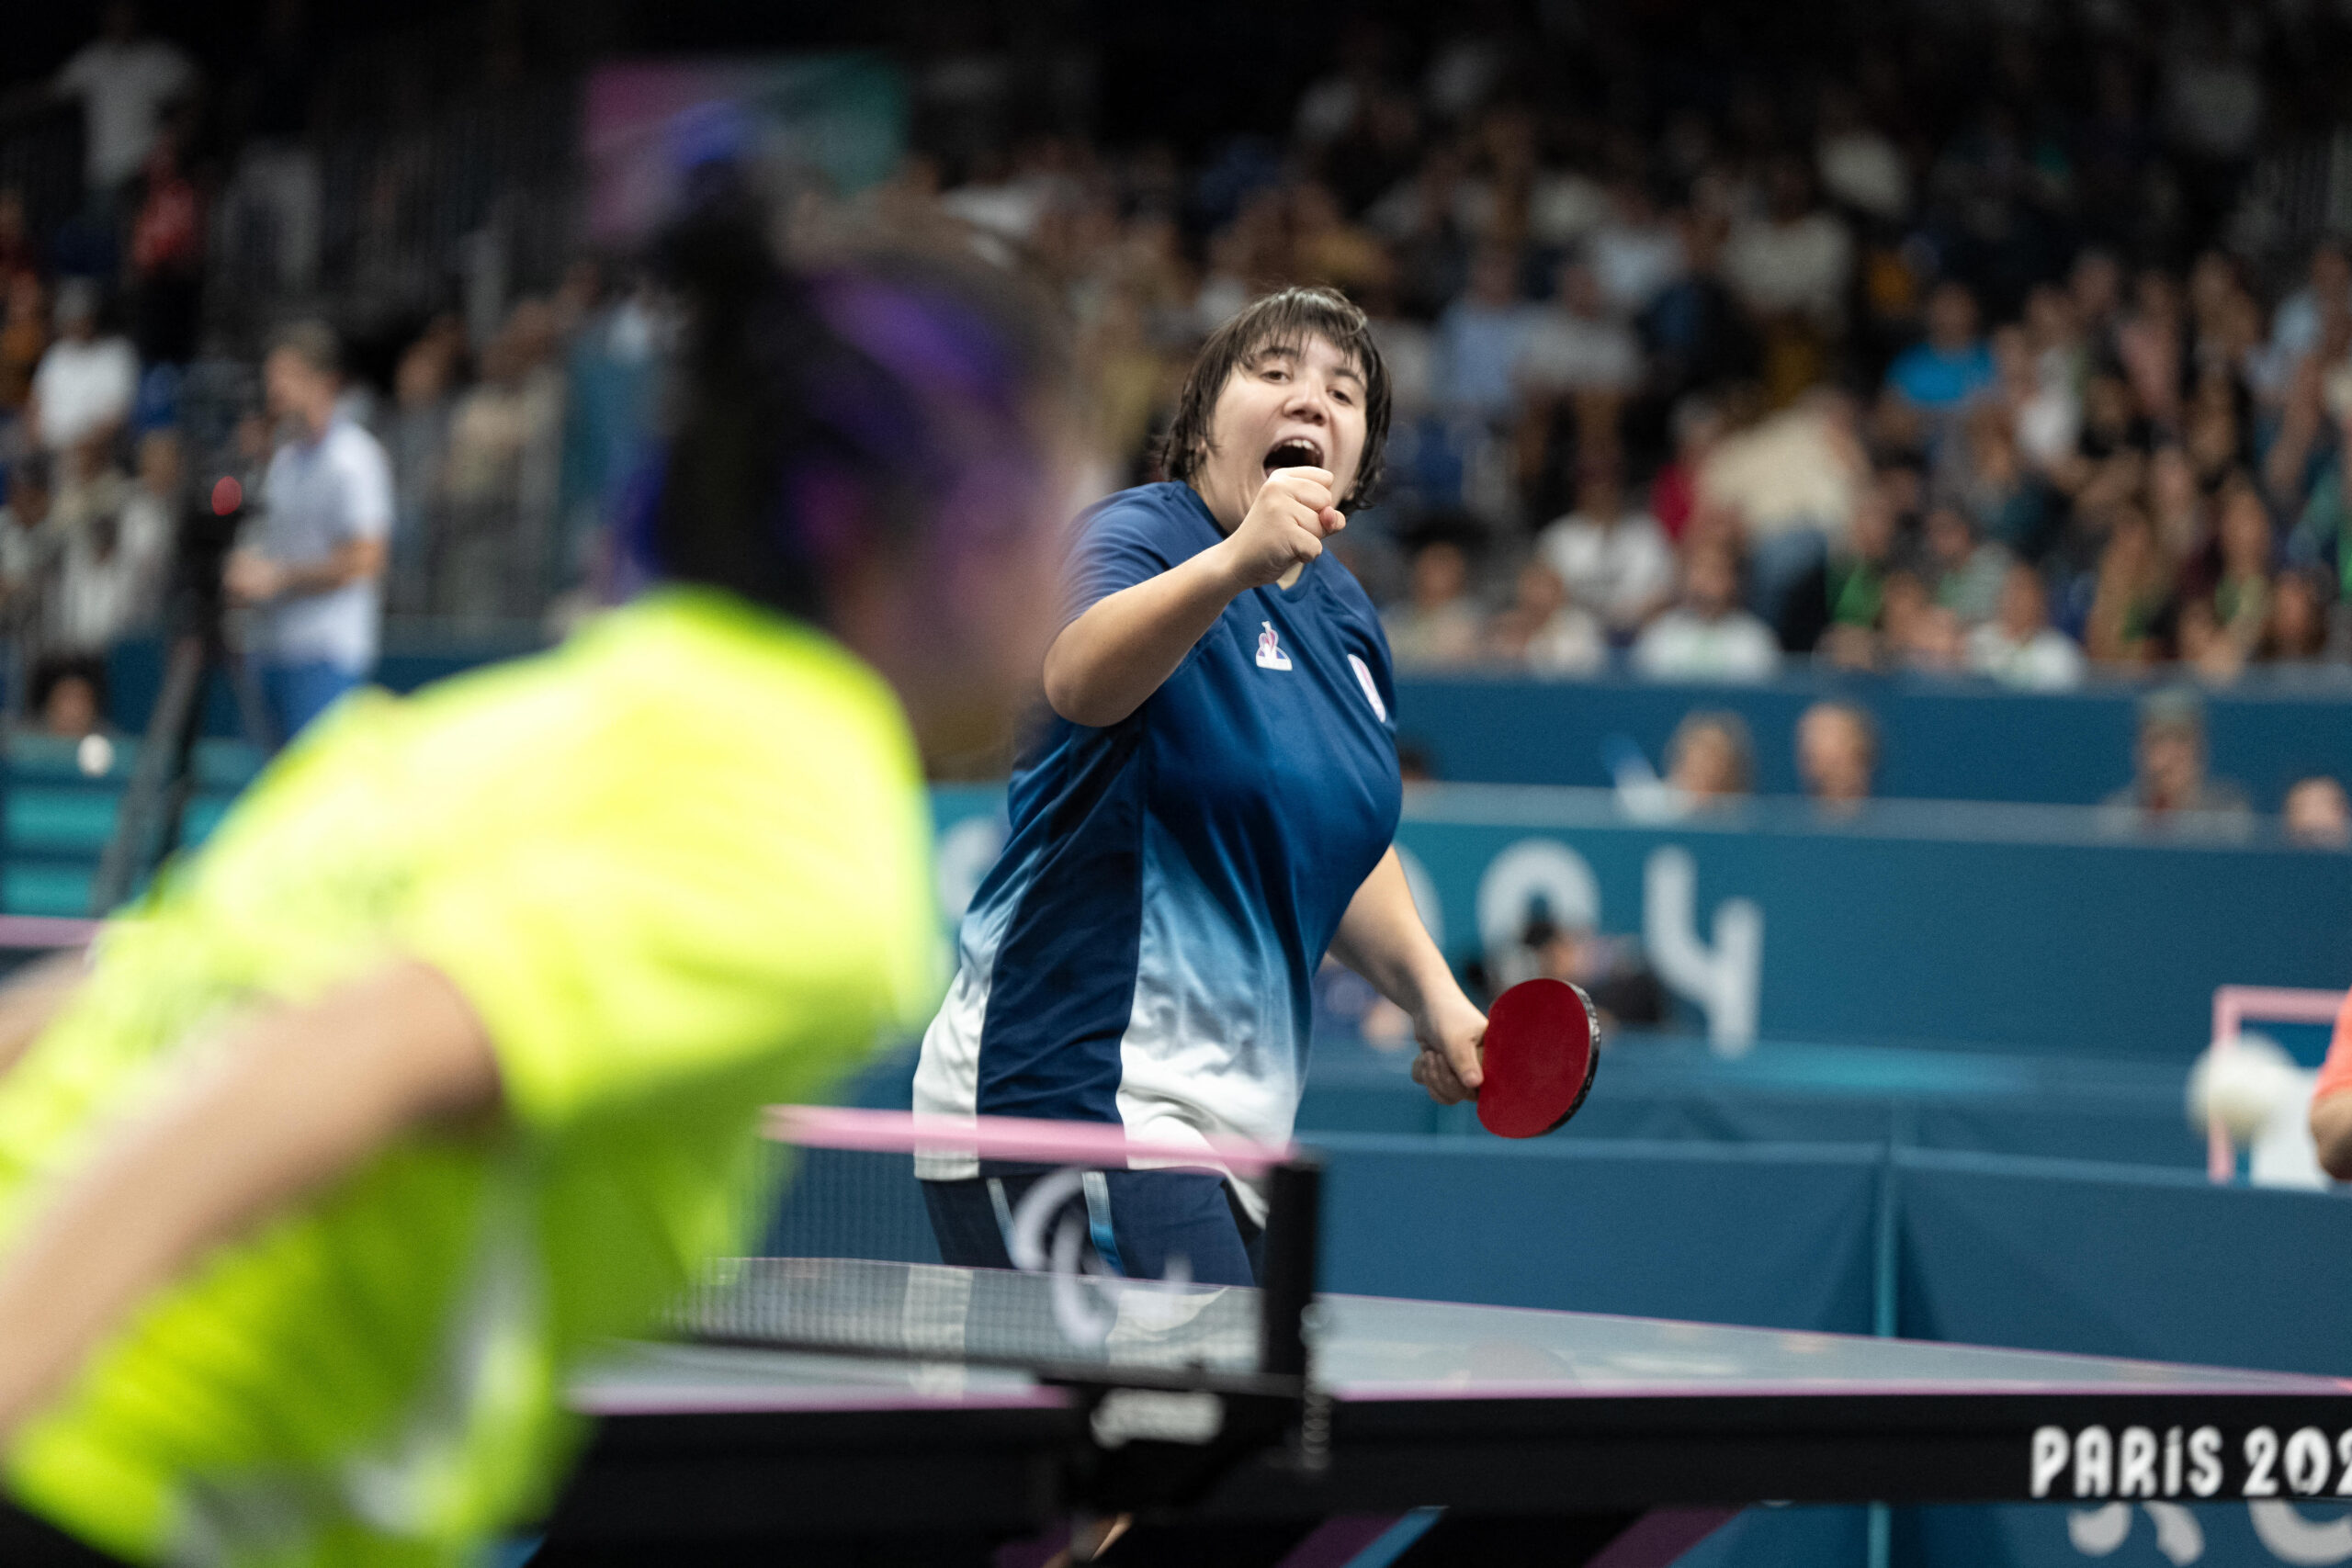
125, 81
314, 566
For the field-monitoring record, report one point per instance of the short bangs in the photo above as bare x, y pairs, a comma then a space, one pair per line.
1282, 320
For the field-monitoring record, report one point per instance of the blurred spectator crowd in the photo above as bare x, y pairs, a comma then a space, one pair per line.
209, 203
1965, 354
1977, 340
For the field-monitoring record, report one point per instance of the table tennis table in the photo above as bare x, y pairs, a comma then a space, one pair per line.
963, 1415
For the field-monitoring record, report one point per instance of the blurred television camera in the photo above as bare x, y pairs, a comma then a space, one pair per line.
224, 437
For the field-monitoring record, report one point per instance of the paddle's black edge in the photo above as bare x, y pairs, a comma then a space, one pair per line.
1591, 1056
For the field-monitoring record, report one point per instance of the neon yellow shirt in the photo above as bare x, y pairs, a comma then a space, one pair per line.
680, 867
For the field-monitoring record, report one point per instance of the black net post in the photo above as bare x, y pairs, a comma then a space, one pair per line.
1293, 1241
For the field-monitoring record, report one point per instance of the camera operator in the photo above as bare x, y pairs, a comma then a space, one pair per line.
313, 569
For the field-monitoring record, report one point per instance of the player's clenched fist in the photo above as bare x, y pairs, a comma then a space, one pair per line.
1286, 526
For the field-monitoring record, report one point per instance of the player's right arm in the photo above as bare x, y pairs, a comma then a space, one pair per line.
290, 1101
1108, 662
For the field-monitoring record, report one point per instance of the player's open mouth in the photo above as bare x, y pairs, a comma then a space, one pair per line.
1294, 453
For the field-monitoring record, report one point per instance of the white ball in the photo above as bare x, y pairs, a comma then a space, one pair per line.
95, 756
2243, 1085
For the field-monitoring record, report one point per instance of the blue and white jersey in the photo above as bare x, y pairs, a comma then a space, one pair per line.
1143, 952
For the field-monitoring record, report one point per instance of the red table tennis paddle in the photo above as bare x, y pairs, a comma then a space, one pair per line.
1542, 1048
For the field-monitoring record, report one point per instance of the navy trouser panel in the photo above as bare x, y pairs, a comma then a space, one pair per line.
1137, 1222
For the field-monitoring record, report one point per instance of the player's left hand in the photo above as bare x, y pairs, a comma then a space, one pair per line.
253, 579
1450, 1031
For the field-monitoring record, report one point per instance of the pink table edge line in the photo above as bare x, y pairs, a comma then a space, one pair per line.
1441, 1390
45, 931
1004, 1137
691, 1399
2232, 1004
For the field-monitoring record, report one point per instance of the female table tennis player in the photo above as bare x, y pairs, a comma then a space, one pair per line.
1210, 810
442, 1059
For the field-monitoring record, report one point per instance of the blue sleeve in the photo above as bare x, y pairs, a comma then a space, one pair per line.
1123, 543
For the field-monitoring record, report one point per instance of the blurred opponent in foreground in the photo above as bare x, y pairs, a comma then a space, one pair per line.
444, 1059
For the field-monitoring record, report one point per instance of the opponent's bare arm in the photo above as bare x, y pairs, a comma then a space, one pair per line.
34, 995
2332, 1132
1381, 938
1108, 662
291, 1101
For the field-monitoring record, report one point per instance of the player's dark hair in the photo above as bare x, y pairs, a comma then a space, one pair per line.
1282, 320
876, 397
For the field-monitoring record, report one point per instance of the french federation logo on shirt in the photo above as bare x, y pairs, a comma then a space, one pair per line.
1270, 649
